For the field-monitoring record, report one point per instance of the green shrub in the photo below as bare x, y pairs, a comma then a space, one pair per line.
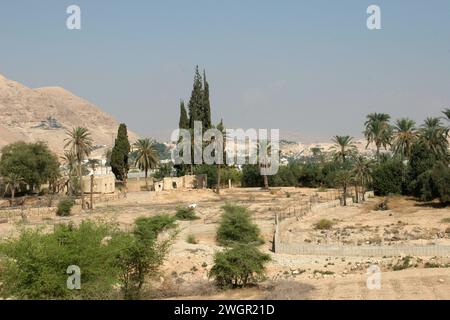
239, 266
64, 207
388, 178
186, 214
148, 228
191, 239
34, 265
324, 224
236, 227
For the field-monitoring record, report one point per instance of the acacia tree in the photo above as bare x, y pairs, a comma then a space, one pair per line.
80, 143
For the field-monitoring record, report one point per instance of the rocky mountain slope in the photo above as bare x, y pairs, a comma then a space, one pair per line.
45, 114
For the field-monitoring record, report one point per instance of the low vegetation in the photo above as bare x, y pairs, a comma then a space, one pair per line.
239, 266
34, 265
236, 227
64, 207
324, 224
186, 214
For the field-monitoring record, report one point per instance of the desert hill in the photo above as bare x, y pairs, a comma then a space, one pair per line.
45, 114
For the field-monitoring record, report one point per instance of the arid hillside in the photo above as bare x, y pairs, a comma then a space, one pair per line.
47, 113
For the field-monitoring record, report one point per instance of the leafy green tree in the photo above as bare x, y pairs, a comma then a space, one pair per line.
403, 137
388, 177
119, 155
147, 156
378, 131
81, 144
33, 163
251, 176
239, 266
236, 227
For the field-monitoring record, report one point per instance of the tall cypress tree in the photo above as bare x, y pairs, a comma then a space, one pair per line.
196, 101
119, 154
206, 104
184, 121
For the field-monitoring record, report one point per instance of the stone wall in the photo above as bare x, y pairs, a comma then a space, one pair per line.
102, 184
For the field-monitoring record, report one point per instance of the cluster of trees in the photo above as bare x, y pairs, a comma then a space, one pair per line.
415, 161
24, 167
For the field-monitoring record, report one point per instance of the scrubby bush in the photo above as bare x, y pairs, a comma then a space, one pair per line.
236, 227
34, 265
323, 224
191, 239
140, 254
239, 266
64, 207
186, 214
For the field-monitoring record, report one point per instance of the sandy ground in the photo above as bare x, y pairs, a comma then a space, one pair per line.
185, 273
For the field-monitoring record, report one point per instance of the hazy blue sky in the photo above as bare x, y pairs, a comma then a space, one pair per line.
310, 67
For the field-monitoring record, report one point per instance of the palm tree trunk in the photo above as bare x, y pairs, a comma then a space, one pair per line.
356, 192
218, 179
345, 194
146, 180
92, 192
13, 190
80, 177
266, 183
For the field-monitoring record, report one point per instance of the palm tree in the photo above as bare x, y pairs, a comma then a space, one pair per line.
146, 156
433, 136
362, 171
404, 137
343, 146
264, 161
13, 181
70, 159
92, 163
80, 143
221, 128
344, 178
378, 131
446, 112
